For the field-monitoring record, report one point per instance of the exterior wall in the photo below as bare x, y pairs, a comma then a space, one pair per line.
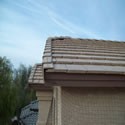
93, 106
58, 106
44, 98
54, 117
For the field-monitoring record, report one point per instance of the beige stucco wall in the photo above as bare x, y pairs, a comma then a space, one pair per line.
44, 98
93, 106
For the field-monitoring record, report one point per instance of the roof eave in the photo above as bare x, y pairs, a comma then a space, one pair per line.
39, 87
84, 80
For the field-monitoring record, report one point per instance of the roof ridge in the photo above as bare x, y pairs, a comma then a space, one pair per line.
68, 37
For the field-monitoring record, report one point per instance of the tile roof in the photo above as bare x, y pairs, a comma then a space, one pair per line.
29, 114
36, 76
65, 54
36, 79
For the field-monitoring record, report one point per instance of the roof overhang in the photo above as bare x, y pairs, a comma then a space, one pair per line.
84, 80
40, 87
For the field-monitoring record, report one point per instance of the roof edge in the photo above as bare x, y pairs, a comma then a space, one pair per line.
68, 37
39, 87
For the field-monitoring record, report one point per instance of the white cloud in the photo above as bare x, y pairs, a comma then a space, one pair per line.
28, 55
59, 23
73, 28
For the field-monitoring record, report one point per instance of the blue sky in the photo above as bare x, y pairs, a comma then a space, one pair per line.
26, 24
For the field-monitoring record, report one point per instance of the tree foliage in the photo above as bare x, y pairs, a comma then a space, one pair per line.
14, 91
7, 96
24, 94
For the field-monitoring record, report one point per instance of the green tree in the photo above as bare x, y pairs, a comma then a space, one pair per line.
14, 90
24, 95
7, 91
